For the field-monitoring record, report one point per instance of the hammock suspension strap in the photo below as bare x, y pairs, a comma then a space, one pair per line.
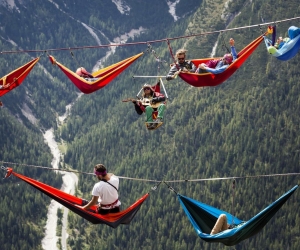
170, 188
71, 52
172, 55
233, 196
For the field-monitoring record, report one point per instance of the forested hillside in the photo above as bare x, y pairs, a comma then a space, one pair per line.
23, 210
247, 126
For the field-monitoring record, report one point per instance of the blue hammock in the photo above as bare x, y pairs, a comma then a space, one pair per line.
203, 218
289, 49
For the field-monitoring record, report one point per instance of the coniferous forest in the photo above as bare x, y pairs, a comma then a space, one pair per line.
247, 126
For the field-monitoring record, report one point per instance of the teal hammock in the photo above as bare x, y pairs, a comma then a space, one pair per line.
203, 218
287, 50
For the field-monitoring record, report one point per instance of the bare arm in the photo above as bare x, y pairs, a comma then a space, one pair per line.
172, 73
92, 202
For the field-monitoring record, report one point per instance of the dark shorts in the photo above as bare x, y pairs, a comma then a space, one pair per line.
107, 211
201, 71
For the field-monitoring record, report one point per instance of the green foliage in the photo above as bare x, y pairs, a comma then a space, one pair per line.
246, 126
23, 209
59, 221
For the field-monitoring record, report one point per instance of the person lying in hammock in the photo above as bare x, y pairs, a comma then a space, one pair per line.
220, 65
280, 42
293, 32
222, 225
4, 86
82, 72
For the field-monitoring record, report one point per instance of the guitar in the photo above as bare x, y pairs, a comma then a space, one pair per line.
144, 102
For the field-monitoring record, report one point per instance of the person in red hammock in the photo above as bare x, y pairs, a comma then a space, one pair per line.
220, 65
3, 86
105, 192
82, 72
182, 65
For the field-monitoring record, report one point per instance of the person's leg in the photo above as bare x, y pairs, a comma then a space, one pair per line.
161, 110
220, 225
149, 111
201, 71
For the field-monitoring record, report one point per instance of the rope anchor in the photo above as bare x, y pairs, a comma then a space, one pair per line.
8, 171
171, 188
154, 188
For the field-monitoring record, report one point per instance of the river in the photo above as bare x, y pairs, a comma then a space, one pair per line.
69, 182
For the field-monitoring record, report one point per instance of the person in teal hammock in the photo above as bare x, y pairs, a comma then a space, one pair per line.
222, 225
150, 102
281, 41
293, 32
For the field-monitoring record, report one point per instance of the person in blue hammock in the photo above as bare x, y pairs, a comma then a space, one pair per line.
281, 41
220, 65
293, 32
222, 225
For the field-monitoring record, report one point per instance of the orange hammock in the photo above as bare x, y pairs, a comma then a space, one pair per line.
105, 75
209, 79
74, 203
16, 77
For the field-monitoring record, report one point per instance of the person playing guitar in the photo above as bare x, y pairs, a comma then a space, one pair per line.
150, 102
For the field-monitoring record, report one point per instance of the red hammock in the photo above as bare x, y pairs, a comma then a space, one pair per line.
105, 75
16, 77
209, 79
113, 219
